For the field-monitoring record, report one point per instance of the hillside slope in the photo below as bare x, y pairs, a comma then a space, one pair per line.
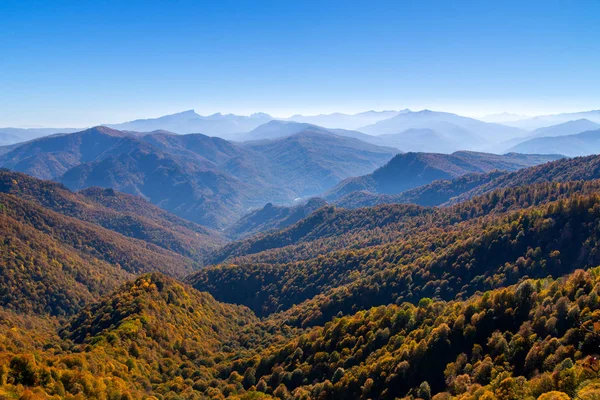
411, 170
439, 253
125, 214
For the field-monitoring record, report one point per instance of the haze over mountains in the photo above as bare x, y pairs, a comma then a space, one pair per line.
410, 170
298, 261
580, 144
337, 220
206, 179
214, 181
554, 119
405, 130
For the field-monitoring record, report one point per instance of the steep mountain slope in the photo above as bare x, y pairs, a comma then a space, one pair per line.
581, 144
53, 263
41, 273
443, 191
52, 156
189, 122
186, 188
446, 192
471, 133
383, 302
128, 215
410, 170
326, 229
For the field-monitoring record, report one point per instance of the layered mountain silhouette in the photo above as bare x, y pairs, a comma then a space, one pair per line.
204, 179
566, 128
554, 119
581, 144
190, 122
346, 121
279, 129
494, 291
469, 132
410, 170
10, 136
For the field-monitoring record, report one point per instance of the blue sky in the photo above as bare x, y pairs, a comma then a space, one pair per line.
79, 63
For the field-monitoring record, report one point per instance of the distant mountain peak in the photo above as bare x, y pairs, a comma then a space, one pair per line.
104, 130
186, 113
260, 115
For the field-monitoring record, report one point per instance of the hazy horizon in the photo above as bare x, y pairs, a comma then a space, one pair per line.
518, 116
81, 64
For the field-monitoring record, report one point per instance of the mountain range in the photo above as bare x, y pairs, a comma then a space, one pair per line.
10, 136
580, 144
467, 131
205, 179
346, 121
411, 170
189, 122
553, 119
405, 130
493, 293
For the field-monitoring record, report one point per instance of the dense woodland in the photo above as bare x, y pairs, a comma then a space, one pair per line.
494, 293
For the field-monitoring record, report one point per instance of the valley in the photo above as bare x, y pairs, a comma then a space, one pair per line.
302, 263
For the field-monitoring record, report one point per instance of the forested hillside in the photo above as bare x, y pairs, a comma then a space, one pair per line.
493, 293
128, 215
443, 253
320, 229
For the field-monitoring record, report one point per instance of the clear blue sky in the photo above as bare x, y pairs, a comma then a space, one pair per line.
77, 63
